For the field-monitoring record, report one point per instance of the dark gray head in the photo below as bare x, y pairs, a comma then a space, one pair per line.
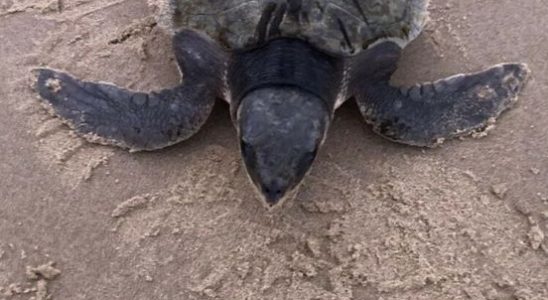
281, 129
283, 98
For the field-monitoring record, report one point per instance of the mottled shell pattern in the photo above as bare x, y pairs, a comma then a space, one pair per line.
339, 27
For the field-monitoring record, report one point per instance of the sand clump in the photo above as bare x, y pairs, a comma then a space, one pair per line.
129, 205
37, 285
500, 190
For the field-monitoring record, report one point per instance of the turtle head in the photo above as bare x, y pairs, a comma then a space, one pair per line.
280, 131
283, 95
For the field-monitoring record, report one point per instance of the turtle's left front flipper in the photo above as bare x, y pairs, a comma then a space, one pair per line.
427, 114
107, 114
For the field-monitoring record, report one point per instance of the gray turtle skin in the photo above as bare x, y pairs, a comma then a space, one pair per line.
285, 66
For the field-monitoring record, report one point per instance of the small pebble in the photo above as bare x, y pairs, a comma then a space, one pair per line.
500, 190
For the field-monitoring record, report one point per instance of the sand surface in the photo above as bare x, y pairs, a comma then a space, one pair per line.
374, 220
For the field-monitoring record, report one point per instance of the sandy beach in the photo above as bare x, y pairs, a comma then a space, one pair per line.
374, 220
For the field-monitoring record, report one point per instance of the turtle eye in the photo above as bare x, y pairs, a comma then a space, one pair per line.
247, 151
249, 156
305, 162
310, 156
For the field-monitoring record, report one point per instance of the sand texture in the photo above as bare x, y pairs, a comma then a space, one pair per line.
374, 220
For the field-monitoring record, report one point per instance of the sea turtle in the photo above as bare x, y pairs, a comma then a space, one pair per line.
285, 66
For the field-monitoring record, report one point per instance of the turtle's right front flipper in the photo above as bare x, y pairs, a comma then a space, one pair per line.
427, 114
107, 114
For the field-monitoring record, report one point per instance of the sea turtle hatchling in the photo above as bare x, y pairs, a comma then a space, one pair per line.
284, 67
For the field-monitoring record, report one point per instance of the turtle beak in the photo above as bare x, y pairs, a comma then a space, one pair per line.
281, 130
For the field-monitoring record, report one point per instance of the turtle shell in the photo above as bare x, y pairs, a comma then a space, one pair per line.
340, 27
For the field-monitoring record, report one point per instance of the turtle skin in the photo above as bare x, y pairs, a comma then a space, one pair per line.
110, 115
429, 113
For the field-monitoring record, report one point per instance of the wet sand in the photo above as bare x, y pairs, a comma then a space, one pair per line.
374, 220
